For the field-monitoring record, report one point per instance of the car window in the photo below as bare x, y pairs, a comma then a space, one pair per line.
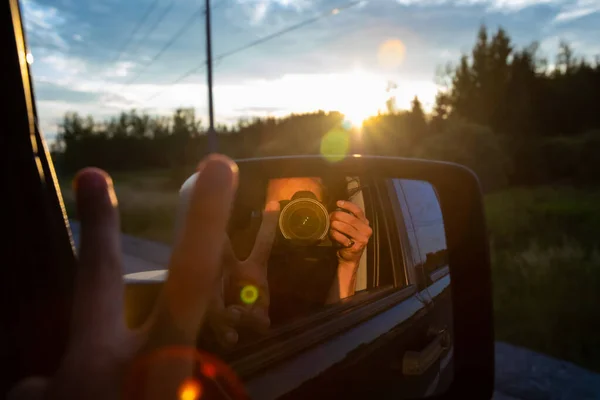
312, 248
424, 223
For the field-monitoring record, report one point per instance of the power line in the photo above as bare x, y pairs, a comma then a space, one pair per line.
169, 7
264, 39
153, 27
173, 39
136, 29
275, 35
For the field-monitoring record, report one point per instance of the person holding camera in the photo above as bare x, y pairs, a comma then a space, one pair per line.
263, 283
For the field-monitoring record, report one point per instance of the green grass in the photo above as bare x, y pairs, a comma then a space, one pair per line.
147, 202
546, 270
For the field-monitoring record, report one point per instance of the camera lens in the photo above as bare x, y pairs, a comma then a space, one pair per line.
304, 220
304, 223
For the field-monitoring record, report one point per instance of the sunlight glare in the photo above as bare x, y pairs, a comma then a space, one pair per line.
361, 96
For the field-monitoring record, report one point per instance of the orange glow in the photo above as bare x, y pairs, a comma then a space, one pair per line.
391, 53
207, 365
209, 370
190, 390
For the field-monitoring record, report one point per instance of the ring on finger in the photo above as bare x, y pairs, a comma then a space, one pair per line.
351, 243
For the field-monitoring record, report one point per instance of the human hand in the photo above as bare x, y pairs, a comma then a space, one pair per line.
243, 300
103, 352
351, 231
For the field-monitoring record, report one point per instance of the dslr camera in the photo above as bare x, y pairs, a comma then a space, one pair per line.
304, 220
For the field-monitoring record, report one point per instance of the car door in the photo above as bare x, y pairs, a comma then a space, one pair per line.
370, 344
420, 216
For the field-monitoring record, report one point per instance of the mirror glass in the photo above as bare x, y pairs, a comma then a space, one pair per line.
335, 260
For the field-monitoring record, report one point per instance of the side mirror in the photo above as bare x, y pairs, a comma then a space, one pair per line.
416, 319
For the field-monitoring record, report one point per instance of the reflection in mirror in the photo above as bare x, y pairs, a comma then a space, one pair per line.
330, 260
313, 257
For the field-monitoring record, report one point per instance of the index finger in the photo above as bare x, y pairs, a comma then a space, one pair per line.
266, 234
353, 208
195, 262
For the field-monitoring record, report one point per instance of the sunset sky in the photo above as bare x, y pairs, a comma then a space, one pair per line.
341, 62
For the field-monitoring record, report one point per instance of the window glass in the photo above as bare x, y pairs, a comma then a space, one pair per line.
320, 252
424, 223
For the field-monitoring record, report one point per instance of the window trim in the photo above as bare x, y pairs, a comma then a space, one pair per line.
406, 254
439, 273
373, 245
294, 338
400, 263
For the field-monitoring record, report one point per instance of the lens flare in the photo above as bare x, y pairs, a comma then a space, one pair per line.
347, 124
209, 370
335, 144
249, 294
391, 53
190, 389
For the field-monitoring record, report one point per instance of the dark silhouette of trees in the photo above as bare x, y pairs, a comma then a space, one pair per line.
544, 115
516, 93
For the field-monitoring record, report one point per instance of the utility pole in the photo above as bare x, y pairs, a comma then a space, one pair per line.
212, 134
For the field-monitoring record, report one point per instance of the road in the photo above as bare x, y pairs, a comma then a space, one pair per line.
520, 373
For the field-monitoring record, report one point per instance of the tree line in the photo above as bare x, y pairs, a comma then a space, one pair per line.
510, 114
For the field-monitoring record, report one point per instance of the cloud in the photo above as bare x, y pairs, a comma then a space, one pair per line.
53, 92
41, 23
121, 69
568, 10
64, 66
514, 5
259, 110
259, 10
492, 5
578, 9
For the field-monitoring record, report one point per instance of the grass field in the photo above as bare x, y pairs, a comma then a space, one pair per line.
546, 270
545, 258
147, 202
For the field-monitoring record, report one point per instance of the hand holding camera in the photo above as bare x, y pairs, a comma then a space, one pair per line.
350, 228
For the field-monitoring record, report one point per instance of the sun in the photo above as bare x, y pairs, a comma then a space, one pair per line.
361, 96
357, 115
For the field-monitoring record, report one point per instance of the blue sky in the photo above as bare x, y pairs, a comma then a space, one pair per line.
341, 62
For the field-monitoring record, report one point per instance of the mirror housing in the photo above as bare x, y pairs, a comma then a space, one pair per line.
461, 202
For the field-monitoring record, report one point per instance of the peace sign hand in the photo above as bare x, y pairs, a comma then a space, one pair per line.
102, 351
243, 300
